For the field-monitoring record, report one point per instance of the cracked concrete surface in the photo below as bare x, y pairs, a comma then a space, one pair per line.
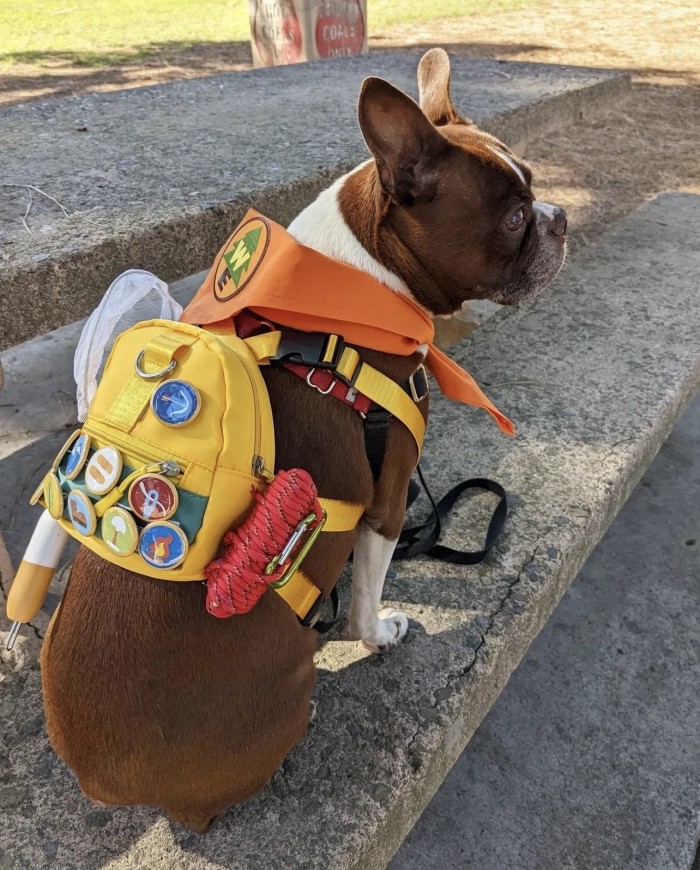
595, 374
590, 758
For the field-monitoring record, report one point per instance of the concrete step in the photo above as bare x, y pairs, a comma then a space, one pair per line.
590, 757
156, 177
595, 374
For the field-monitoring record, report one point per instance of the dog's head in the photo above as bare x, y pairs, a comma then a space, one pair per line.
456, 218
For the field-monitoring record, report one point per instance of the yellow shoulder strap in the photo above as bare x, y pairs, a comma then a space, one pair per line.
368, 381
300, 592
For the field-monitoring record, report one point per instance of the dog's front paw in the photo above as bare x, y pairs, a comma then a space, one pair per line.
390, 627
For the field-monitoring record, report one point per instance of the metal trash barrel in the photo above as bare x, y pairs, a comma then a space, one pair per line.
283, 31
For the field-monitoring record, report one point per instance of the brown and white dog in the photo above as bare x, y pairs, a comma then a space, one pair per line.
148, 698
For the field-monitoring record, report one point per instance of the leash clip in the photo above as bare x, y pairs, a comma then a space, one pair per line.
295, 537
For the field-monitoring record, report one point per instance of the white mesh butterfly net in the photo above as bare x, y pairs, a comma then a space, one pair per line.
131, 298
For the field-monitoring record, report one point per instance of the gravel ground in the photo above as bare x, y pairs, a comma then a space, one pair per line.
599, 171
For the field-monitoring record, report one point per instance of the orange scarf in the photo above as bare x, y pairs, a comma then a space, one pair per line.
263, 268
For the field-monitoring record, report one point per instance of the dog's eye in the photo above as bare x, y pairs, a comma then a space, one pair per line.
515, 221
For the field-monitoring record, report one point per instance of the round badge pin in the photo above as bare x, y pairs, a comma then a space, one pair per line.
103, 470
176, 403
152, 497
119, 531
243, 252
163, 545
66, 447
81, 513
77, 455
37, 494
53, 496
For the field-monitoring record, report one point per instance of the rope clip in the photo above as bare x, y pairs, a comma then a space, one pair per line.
294, 539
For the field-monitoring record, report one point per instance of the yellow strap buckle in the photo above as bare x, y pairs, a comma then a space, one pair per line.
302, 553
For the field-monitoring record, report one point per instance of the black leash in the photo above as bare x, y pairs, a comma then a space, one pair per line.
416, 540
424, 538
325, 625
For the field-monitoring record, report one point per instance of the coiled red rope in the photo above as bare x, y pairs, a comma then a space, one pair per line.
236, 581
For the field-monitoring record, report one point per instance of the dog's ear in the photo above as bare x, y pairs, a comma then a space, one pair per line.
434, 89
406, 146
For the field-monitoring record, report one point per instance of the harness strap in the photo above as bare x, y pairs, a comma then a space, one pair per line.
300, 593
365, 379
326, 383
322, 626
343, 516
376, 427
389, 395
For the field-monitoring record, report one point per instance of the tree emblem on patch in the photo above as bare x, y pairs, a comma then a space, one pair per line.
241, 257
238, 260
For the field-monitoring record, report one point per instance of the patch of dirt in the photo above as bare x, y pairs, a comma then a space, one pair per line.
601, 169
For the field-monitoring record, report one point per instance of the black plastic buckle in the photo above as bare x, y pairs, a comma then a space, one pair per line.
313, 615
308, 348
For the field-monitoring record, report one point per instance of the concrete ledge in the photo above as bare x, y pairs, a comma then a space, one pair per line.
590, 757
156, 177
595, 373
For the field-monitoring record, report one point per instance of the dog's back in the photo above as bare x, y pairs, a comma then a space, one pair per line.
152, 701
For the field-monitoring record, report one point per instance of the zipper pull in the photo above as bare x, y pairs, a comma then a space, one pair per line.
259, 469
169, 468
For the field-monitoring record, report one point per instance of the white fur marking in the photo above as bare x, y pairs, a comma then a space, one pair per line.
545, 208
321, 226
509, 160
377, 630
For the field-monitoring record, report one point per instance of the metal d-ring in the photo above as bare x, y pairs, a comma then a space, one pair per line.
312, 384
153, 375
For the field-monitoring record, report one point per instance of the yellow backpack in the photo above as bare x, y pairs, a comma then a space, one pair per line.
178, 435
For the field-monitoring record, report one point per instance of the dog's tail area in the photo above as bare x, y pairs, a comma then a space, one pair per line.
197, 822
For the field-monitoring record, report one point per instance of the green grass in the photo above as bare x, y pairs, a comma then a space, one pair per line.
99, 32
96, 32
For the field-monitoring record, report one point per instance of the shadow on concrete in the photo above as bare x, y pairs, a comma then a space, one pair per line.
491, 50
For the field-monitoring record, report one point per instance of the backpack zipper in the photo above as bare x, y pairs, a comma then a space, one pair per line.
144, 456
258, 464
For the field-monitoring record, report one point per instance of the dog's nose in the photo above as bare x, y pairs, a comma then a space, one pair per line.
557, 222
